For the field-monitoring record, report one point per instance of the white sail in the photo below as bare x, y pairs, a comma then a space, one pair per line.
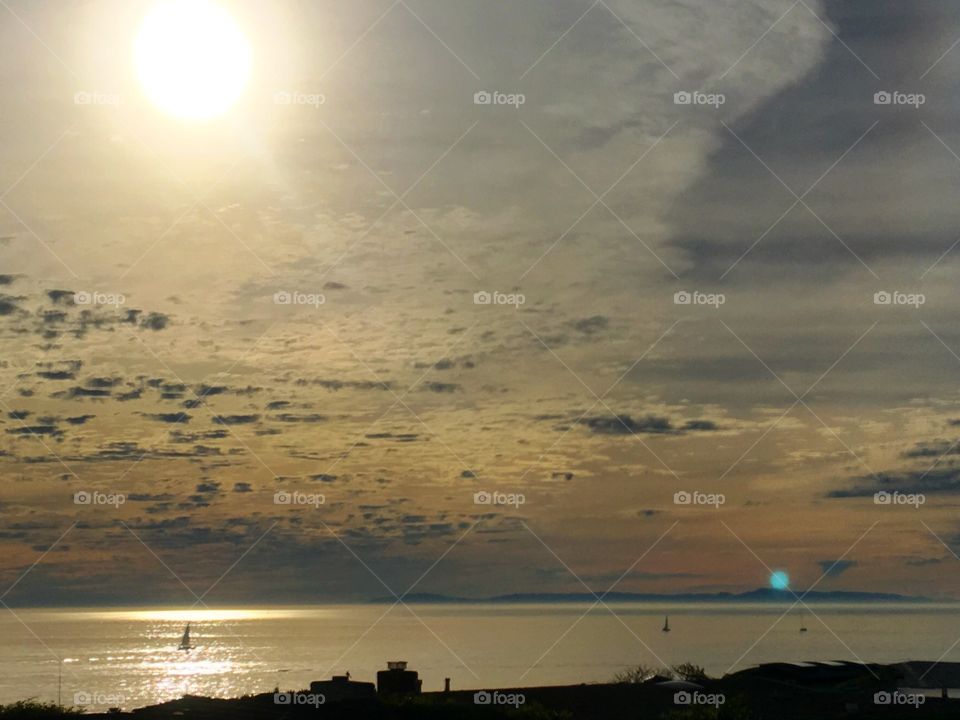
185, 640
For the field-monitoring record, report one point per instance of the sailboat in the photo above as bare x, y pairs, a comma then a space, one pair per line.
803, 624
666, 624
185, 640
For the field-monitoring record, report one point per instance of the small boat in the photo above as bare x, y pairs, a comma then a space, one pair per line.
666, 624
803, 624
185, 640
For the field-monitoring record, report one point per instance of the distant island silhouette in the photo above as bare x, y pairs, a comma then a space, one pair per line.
758, 595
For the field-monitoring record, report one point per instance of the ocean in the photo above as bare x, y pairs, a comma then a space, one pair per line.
129, 657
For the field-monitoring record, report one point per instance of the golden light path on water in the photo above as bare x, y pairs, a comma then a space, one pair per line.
222, 657
193, 615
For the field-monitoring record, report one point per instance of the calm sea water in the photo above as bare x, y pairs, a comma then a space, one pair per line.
130, 657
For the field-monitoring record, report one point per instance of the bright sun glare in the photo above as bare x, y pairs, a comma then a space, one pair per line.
192, 58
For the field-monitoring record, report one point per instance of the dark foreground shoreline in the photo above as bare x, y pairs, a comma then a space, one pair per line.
777, 691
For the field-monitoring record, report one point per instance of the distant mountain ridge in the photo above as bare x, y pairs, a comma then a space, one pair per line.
758, 595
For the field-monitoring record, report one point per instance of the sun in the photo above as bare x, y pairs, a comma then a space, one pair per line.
192, 59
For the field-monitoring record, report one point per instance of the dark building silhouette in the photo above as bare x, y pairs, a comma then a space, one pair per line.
397, 680
341, 687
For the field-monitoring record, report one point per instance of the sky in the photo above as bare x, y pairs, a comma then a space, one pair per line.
259, 344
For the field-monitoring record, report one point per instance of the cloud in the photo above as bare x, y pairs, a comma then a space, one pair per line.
235, 419
591, 325
103, 382
178, 436
835, 568
168, 417
936, 449
56, 374
346, 384
789, 135
79, 393
8, 305
439, 387
61, 297
291, 418
500, 199
626, 425
399, 437
938, 481
155, 321
701, 425
51, 430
